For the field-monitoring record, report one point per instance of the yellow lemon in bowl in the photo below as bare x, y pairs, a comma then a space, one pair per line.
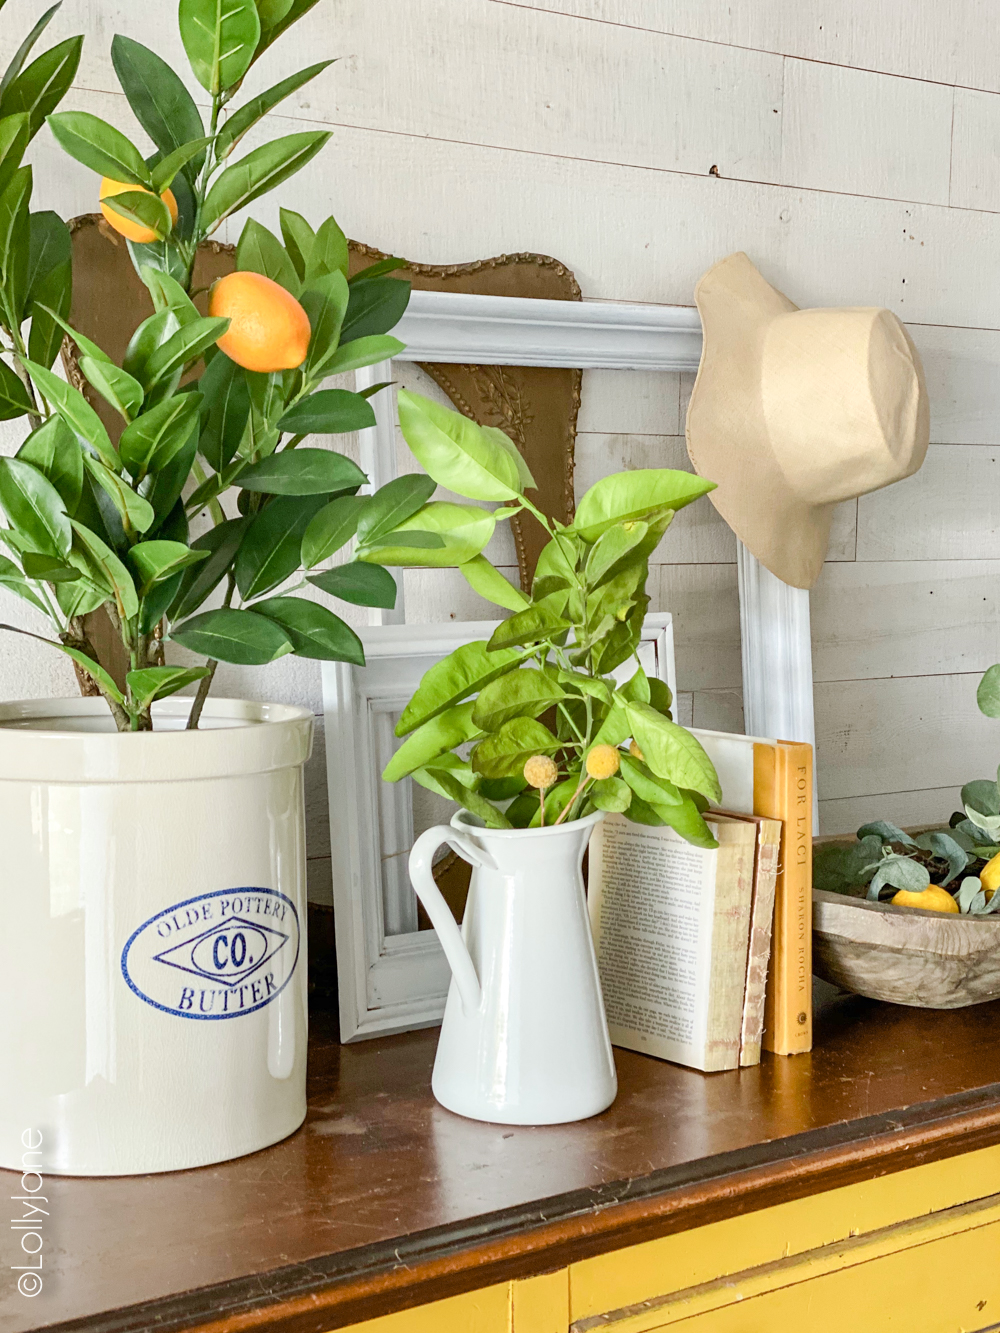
932, 899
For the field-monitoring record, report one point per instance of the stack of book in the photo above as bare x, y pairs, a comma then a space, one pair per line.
705, 954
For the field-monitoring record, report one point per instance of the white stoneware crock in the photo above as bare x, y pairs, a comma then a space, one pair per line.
153, 950
524, 1039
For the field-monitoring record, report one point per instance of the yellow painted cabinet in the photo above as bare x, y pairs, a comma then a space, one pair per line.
917, 1251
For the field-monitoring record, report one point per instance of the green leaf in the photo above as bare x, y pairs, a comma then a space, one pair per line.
387, 265
636, 688
364, 352
627, 496
49, 284
14, 400
881, 828
153, 439
453, 789
48, 568
902, 872
84, 345
328, 254
221, 543
313, 629
988, 693
97, 560
455, 451
134, 510
328, 412
447, 729
142, 208
21, 54
673, 753
77, 413
15, 133
539, 622
646, 785
376, 306
248, 115
505, 752
14, 581
983, 796
40, 87
53, 449
258, 172
945, 847
15, 242
167, 293
94, 669
391, 505
491, 584
524, 692
331, 528
158, 98
299, 238
187, 344
260, 251
220, 37
99, 146
116, 386
155, 561
685, 819
271, 549
610, 794
291, 13
151, 683
465, 671
324, 301
233, 636
463, 531
611, 547
34, 507
166, 170
364, 585
227, 396
302, 472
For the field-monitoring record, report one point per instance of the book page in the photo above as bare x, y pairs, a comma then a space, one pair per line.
652, 899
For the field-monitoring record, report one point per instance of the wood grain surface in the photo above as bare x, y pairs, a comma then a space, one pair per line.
384, 1200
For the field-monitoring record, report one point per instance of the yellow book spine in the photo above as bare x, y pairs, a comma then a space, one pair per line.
783, 790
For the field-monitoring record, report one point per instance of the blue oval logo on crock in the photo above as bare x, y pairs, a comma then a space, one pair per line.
220, 955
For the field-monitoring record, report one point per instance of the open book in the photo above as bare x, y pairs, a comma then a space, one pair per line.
682, 935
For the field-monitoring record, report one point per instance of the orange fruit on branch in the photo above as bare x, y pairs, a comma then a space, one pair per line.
132, 231
268, 329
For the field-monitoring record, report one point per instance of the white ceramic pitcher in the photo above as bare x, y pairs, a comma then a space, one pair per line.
524, 1039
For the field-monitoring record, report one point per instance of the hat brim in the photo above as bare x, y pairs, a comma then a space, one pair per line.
727, 435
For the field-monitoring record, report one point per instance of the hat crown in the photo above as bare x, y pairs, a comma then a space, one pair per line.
841, 397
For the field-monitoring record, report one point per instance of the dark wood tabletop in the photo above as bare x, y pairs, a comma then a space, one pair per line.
384, 1200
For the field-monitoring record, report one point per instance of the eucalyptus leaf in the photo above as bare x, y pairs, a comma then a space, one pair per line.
945, 847
881, 828
902, 872
988, 692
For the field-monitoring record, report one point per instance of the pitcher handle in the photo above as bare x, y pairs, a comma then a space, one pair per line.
422, 878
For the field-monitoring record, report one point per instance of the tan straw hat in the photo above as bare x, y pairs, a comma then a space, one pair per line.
795, 410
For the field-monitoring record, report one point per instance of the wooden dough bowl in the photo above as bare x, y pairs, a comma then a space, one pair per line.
930, 960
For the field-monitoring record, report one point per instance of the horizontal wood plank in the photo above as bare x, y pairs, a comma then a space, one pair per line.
900, 735
905, 809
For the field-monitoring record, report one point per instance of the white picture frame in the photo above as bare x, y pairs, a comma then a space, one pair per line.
392, 977
390, 983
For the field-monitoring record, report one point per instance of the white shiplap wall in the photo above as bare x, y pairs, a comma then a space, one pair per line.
855, 146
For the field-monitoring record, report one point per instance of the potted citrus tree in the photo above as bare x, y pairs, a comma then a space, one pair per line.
154, 842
